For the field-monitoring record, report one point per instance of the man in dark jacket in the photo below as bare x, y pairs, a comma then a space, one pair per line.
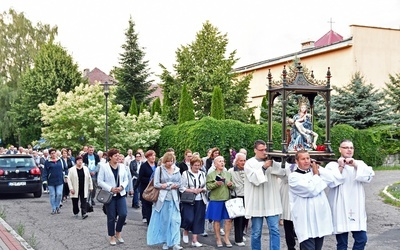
134, 167
91, 160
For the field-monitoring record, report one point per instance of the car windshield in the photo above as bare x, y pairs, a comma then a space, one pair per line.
16, 162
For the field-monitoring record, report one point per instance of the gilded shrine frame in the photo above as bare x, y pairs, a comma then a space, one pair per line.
298, 84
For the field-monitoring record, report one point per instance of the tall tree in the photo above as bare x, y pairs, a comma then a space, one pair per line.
186, 107
217, 104
20, 41
156, 106
133, 109
393, 92
359, 105
133, 74
202, 65
53, 69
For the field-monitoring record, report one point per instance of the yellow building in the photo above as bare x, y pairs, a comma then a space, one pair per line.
372, 51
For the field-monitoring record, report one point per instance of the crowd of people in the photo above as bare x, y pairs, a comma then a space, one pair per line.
310, 201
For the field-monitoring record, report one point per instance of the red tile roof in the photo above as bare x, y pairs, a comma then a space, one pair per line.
328, 38
98, 75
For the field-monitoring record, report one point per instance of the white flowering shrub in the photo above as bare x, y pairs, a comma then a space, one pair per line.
78, 118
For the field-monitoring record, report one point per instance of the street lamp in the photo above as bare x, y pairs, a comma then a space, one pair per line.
106, 89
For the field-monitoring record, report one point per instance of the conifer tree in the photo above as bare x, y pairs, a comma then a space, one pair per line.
133, 109
156, 106
143, 107
217, 104
264, 111
359, 105
393, 92
186, 107
133, 74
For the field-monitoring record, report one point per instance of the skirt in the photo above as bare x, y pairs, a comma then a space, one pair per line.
216, 211
164, 226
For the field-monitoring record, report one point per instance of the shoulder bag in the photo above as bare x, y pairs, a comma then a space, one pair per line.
151, 193
188, 197
104, 196
235, 207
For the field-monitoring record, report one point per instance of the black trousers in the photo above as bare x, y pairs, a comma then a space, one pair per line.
146, 209
75, 207
239, 223
290, 234
312, 244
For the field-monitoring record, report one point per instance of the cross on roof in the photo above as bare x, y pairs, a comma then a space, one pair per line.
330, 21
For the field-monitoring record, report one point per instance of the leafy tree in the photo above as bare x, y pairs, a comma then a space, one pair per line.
133, 73
393, 92
202, 65
217, 104
186, 107
20, 41
53, 69
78, 118
156, 106
359, 105
133, 109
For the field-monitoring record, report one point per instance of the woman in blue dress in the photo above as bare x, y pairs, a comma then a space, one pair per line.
165, 222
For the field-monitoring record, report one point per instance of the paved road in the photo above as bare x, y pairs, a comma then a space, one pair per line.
63, 231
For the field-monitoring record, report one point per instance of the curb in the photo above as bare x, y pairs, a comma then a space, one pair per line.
388, 194
16, 236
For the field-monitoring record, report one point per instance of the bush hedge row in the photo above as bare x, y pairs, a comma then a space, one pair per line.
371, 145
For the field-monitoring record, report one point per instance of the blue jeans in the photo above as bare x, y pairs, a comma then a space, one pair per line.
274, 235
55, 195
360, 239
135, 199
117, 207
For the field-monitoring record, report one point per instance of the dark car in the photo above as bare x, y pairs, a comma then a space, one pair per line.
19, 174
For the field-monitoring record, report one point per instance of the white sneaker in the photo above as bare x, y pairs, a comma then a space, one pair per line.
196, 244
185, 238
165, 247
222, 232
240, 244
145, 221
244, 239
177, 247
204, 234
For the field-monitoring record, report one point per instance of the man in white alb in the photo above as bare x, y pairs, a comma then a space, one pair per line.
347, 197
309, 205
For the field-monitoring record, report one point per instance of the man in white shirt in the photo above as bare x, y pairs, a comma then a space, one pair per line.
347, 197
309, 205
261, 195
129, 157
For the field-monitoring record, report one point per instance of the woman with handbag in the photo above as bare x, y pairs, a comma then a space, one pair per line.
237, 172
79, 185
145, 173
164, 226
193, 212
219, 182
114, 178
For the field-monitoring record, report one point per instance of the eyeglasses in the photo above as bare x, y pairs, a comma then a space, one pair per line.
351, 148
261, 150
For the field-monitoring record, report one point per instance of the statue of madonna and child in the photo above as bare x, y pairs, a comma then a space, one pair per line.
302, 136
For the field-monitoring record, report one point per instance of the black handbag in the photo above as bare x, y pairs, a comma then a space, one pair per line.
188, 198
104, 196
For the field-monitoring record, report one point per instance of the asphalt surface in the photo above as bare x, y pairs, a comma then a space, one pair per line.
44, 231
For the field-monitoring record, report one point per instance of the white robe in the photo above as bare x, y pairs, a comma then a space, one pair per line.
347, 196
284, 191
261, 190
311, 214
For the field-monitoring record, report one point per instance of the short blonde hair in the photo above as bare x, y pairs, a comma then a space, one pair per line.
169, 156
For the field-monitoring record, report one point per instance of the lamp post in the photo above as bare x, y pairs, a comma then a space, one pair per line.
106, 89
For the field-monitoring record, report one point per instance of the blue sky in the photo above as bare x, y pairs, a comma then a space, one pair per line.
93, 31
